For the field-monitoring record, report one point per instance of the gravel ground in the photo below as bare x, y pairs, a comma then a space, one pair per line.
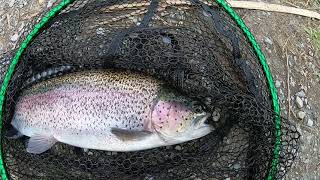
290, 52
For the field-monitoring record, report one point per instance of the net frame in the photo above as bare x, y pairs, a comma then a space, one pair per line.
56, 10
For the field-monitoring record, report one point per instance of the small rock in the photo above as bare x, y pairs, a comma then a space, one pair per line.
44, 74
227, 178
304, 88
100, 31
278, 83
301, 94
22, 3
90, 153
40, 2
166, 40
205, 13
267, 40
14, 37
50, 3
301, 114
11, 3
178, 148
311, 53
299, 102
306, 101
310, 123
216, 118
236, 166
85, 150
38, 76
216, 115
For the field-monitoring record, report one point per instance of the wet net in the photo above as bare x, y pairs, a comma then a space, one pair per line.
197, 48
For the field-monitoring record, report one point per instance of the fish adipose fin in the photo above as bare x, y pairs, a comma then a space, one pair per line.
13, 133
40, 143
130, 135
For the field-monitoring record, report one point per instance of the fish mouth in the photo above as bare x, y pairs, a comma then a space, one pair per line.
201, 120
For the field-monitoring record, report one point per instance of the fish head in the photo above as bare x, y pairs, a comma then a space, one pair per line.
181, 119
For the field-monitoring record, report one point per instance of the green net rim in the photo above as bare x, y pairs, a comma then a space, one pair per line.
55, 11
272, 88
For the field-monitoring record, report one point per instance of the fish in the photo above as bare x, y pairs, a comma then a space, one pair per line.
110, 110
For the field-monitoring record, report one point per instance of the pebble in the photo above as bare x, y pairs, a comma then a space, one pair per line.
166, 40
310, 123
278, 83
40, 2
227, 178
11, 3
299, 102
14, 37
90, 153
178, 148
267, 40
236, 166
44, 74
50, 3
301, 115
301, 93
100, 31
38, 76
306, 101
216, 115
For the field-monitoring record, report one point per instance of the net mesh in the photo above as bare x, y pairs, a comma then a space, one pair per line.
192, 45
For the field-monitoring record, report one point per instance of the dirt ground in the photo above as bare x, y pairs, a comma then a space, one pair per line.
289, 49
294, 62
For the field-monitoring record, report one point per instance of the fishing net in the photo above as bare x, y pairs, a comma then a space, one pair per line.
197, 48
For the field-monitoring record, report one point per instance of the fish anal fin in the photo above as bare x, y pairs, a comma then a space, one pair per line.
130, 135
40, 143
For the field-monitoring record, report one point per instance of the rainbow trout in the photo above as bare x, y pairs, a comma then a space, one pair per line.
107, 110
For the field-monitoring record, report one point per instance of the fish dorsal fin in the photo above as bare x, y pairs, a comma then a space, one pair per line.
40, 143
13, 133
130, 135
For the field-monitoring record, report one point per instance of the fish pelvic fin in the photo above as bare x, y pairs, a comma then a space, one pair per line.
40, 143
130, 135
13, 133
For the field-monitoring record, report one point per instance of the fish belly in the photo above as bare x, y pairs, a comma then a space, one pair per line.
109, 142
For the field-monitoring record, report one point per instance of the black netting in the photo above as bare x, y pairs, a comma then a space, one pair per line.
192, 45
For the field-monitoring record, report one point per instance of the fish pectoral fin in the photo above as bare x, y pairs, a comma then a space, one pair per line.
13, 133
130, 135
40, 143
